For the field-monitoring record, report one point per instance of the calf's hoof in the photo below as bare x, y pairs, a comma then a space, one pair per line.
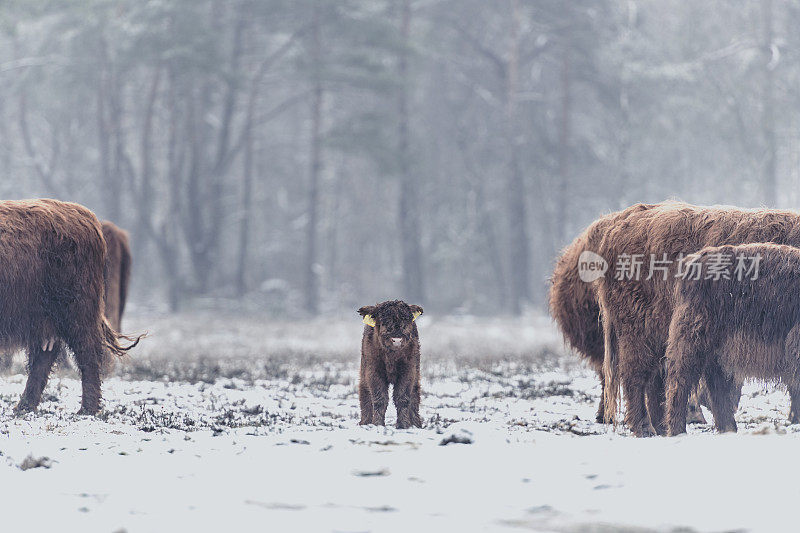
23, 408
88, 411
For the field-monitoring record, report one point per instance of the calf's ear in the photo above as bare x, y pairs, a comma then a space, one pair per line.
367, 312
416, 311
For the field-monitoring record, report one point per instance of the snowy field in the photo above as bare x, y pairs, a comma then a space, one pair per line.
249, 424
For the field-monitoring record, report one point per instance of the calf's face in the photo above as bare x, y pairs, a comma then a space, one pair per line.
393, 323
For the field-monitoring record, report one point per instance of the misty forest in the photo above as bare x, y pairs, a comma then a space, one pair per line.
344, 265
304, 156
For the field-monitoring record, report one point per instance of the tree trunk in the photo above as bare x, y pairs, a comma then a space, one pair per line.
247, 191
769, 179
563, 148
519, 260
311, 276
411, 248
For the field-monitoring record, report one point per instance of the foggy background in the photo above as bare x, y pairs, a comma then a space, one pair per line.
306, 157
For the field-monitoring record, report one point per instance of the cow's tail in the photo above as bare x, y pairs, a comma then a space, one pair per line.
112, 340
611, 381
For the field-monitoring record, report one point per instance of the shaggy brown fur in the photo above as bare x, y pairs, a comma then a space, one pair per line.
390, 355
116, 273
734, 327
636, 314
574, 304
52, 255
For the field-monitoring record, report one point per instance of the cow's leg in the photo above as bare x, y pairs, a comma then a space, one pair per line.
720, 389
90, 382
89, 349
635, 371
611, 358
694, 413
636, 417
601, 412
794, 408
655, 401
365, 399
379, 390
6, 361
40, 362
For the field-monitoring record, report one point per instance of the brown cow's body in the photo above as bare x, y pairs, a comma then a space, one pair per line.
116, 274
574, 304
52, 255
745, 326
636, 314
390, 355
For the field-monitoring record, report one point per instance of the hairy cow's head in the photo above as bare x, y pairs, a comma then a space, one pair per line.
393, 323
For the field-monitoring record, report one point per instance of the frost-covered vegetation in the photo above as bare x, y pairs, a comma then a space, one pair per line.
220, 421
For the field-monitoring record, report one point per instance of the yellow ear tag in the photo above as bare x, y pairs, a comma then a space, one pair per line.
368, 320
416, 314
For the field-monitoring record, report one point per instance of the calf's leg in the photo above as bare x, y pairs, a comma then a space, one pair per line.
402, 402
684, 363
416, 420
365, 399
403, 396
379, 390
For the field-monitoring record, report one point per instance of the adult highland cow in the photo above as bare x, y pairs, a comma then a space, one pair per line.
573, 302
740, 318
574, 305
637, 309
52, 258
116, 273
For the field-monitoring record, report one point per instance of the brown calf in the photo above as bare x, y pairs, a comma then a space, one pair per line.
390, 355
744, 326
53, 255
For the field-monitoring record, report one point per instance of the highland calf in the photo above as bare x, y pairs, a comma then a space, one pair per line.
52, 258
730, 327
390, 354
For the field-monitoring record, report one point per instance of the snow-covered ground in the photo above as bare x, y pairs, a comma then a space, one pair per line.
224, 423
